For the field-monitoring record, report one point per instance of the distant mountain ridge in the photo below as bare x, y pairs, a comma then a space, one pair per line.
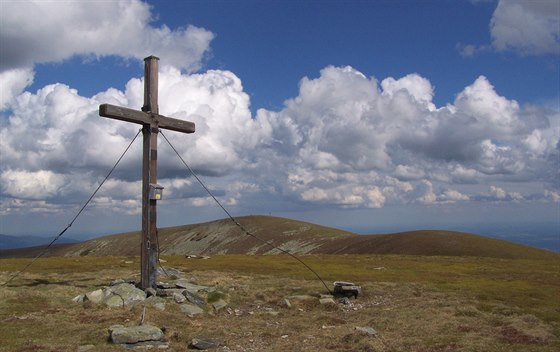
13, 242
224, 237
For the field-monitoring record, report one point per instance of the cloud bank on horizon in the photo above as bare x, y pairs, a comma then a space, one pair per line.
346, 140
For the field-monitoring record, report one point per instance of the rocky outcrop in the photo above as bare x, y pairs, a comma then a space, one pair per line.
203, 343
191, 310
118, 295
134, 334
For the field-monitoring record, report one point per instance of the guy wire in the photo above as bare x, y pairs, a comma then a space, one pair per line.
235, 221
75, 217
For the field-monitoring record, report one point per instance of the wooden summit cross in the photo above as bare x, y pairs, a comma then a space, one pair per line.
151, 121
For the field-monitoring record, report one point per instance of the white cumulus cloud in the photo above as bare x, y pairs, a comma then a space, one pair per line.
528, 27
51, 31
35, 31
500, 194
37, 185
345, 132
12, 83
345, 140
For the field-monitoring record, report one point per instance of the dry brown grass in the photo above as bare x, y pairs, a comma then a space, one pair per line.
414, 303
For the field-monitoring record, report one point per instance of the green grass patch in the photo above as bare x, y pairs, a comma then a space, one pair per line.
215, 296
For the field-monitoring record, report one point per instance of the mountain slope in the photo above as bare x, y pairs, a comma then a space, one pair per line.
444, 243
224, 237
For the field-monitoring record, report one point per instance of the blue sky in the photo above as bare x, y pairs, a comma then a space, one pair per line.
368, 115
270, 46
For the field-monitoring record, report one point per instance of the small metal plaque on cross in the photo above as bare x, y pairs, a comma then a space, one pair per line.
151, 121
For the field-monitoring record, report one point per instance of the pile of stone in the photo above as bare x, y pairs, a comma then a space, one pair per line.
192, 301
118, 294
188, 295
123, 293
184, 293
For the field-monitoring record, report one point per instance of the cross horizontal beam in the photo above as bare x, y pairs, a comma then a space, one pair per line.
145, 118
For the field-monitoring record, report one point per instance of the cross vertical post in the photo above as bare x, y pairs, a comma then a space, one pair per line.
149, 251
151, 122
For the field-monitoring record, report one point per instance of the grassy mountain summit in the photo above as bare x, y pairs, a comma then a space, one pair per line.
421, 291
297, 237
